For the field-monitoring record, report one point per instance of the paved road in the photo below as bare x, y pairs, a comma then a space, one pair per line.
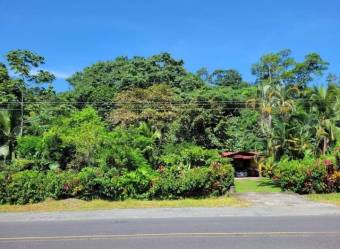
263, 204
285, 232
279, 221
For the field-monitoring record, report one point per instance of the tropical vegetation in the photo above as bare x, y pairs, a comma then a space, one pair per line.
147, 128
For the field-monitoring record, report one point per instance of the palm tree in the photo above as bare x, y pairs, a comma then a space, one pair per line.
276, 108
152, 133
300, 139
325, 105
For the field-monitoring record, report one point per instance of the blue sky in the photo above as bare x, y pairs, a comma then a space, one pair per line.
212, 34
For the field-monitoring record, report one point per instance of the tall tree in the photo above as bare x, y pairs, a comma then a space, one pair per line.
99, 83
325, 105
15, 91
156, 105
230, 77
205, 116
281, 80
21, 62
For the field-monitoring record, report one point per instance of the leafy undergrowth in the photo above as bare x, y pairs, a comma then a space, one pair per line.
255, 185
333, 198
79, 205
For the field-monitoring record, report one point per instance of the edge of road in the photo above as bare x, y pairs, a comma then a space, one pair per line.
149, 213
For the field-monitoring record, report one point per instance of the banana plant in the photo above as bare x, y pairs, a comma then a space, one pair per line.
8, 133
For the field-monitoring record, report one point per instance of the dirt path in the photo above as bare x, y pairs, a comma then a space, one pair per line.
281, 200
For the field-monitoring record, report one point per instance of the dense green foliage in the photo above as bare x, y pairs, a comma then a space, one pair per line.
308, 175
303, 176
147, 128
26, 187
31, 186
175, 182
3, 194
100, 82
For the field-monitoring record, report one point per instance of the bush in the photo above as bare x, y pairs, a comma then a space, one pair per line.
136, 184
178, 182
61, 184
18, 165
188, 155
174, 182
267, 167
32, 186
29, 146
21, 164
89, 186
26, 187
94, 183
221, 178
111, 188
336, 179
303, 176
3, 194
75, 141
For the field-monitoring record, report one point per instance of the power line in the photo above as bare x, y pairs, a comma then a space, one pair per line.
156, 109
156, 102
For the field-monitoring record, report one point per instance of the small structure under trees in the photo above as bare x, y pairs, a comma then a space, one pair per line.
244, 163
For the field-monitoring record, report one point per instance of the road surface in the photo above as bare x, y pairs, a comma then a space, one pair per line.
265, 232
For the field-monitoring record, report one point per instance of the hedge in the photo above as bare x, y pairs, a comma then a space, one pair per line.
307, 176
31, 186
174, 183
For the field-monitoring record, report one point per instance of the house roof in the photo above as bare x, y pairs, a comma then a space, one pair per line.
239, 154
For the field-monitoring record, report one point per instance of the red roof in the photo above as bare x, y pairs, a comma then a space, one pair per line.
228, 153
239, 155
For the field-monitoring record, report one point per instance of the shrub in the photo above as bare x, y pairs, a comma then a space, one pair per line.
188, 155
121, 156
26, 187
336, 180
221, 178
136, 184
174, 182
177, 182
337, 157
94, 183
126, 149
75, 141
111, 188
29, 146
21, 165
267, 167
61, 184
3, 194
89, 186
32, 186
303, 176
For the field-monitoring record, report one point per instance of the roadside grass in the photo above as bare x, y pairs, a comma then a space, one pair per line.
255, 185
81, 205
333, 198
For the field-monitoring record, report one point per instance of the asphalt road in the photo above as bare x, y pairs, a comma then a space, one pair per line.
283, 232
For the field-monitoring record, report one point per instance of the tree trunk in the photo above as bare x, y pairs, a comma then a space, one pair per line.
21, 113
324, 145
11, 150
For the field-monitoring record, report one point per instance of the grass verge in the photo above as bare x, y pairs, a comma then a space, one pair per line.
255, 185
333, 198
81, 205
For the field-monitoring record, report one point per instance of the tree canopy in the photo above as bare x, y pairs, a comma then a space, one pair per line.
145, 127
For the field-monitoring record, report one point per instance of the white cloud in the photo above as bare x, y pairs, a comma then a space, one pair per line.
60, 75
57, 74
